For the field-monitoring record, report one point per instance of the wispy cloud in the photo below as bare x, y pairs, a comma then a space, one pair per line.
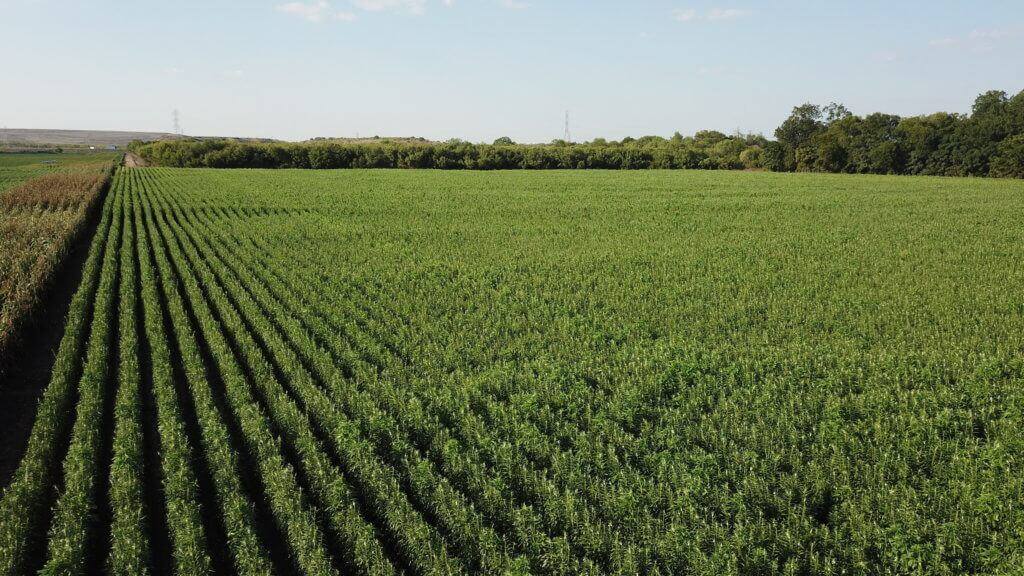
234, 73
943, 42
728, 13
684, 14
515, 4
415, 7
978, 40
712, 15
318, 11
993, 34
885, 56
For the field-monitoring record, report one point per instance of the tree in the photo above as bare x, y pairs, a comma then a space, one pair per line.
504, 141
924, 139
887, 158
726, 153
992, 102
709, 137
801, 126
752, 158
976, 140
777, 157
1009, 162
803, 122
835, 112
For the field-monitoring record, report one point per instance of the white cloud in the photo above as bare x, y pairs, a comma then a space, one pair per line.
727, 14
995, 34
684, 15
885, 56
978, 40
400, 6
318, 11
713, 15
234, 73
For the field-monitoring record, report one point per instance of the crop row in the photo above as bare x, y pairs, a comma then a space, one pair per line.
264, 378
553, 487
559, 511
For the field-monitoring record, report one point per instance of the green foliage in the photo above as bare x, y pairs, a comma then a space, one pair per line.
778, 157
813, 139
27, 499
425, 372
833, 140
68, 542
752, 381
801, 126
708, 150
1009, 162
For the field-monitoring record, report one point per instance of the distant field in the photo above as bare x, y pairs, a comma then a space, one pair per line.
421, 372
19, 136
48, 159
17, 168
43, 211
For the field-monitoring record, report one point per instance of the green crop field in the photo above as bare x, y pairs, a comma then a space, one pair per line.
419, 372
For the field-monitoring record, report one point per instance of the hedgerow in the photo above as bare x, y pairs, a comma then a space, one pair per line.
812, 139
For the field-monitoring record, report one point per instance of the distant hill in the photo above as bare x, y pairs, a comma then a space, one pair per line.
29, 137
371, 140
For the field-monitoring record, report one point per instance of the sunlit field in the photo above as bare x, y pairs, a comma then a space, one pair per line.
565, 372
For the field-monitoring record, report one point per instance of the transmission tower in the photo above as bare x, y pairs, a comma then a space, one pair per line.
568, 133
177, 122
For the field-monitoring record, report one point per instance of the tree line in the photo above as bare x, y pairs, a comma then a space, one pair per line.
987, 142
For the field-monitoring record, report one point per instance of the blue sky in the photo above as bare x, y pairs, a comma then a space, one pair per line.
479, 69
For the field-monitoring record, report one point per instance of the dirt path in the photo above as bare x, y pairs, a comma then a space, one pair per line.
134, 161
